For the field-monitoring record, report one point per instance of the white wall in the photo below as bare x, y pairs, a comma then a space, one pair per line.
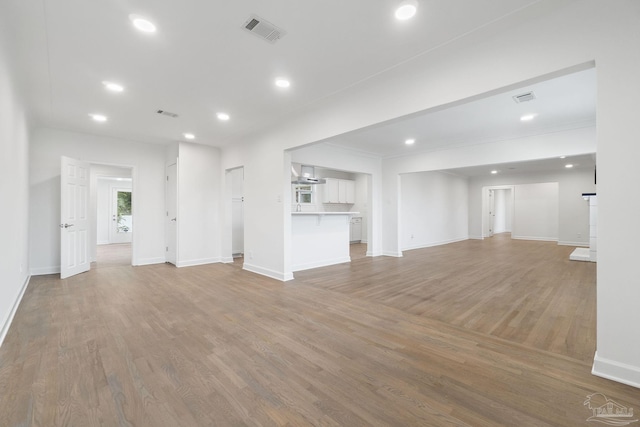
434, 209
580, 141
14, 187
535, 211
199, 205
537, 43
573, 211
147, 161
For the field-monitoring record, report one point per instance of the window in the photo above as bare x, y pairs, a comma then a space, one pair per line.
303, 194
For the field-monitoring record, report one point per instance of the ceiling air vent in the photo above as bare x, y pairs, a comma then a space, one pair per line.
263, 29
167, 113
524, 97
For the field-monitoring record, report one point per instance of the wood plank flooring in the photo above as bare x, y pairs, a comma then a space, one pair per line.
339, 346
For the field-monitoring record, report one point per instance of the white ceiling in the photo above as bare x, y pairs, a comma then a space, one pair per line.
201, 61
562, 103
584, 161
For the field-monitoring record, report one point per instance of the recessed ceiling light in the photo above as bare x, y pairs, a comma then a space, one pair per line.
569, 166
189, 136
494, 172
142, 24
410, 141
283, 83
563, 157
113, 87
98, 117
223, 116
406, 10
528, 117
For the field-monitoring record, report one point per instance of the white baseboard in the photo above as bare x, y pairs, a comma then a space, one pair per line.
579, 244
102, 242
541, 239
393, 254
41, 271
14, 309
226, 259
476, 237
429, 245
150, 261
194, 262
376, 253
283, 277
323, 263
616, 371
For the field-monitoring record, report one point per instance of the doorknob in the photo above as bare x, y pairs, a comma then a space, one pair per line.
65, 225
173, 219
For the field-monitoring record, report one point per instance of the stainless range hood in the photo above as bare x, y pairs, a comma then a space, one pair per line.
306, 176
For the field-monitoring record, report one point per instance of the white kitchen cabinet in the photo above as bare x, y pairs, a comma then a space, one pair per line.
339, 191
356, 229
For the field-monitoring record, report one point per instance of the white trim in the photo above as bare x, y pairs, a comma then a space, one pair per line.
41, 271
476, 237
541, 239
226, 259
429, 245
283, 277
323, 263
391, 253
102, 242
149, 261
373, 253
194, 262
14, 309
616, 371
579, 244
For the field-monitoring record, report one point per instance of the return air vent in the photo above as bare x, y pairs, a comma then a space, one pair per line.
167, 113
524, 97
263, 29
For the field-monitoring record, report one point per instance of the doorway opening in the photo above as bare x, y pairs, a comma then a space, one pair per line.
112, 201
236, 179
500, 211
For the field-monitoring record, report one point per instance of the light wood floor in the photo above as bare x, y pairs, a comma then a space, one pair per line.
467, 334
113, 255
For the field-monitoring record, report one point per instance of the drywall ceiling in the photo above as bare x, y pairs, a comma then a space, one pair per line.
561, 103
200, 61
584, 161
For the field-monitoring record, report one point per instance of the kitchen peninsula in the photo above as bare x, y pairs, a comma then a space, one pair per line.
319, 239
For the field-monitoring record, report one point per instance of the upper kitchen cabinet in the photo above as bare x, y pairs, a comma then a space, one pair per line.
339, 191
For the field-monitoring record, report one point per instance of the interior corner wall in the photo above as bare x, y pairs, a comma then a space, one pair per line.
537, 42
14, 191
573, 211
199, 208
535, 211
434, 209
147, 161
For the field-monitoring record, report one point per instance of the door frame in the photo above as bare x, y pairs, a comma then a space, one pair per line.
485, 206
134, 204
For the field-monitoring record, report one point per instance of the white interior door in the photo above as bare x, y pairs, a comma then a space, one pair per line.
121, 228
492, 212
171, 220
237, 211
74, 219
